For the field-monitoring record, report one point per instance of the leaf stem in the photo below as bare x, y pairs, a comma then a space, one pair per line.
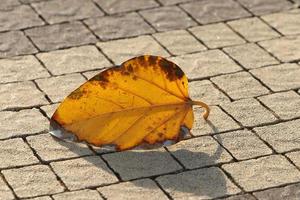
203, 105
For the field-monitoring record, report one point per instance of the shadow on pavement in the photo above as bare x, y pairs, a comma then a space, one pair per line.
207, 182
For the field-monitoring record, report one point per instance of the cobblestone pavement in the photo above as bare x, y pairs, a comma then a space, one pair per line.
241, 57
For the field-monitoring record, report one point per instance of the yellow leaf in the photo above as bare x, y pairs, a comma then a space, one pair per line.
145, 100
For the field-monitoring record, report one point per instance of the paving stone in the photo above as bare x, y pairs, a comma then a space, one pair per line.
135, 190
15, 152
240, 85
217, 35
259, 7
287, 23
206, 64
78, 195
253, 29
135, 164
217, 122
5, 192
74, 60
9, 4
55, 11
263, 172
250, 56
66, 85
50, 109
179, 42
282, 137
168, 18
209, 11
117, 6
15, 95
20, 69
20, 123
49, 148
285, 49
15, 43
172, 2
206, 92
119, 26
122, 50
199, 152
279, 77
24, 17
60, 36
197, 184
249, 112
90, 172
42, 198
240, 197
243, 144
290, 192
295, 157
32, 181
278, 103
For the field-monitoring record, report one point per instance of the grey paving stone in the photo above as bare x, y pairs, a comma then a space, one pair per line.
73, 60
259, 7
288, 22
199, 152
117, 6
285, 49
250, 55
209, 11
263, 172
179, 42
78, 195
15, 152
121, 50
24, 17
290, 192
32, 1
240, 85
206, 64
24, 122
9, 4
59, 36
66, 85
50, 109
20, 69
42, 198
253, 29
217, 122
279, 77
285, 104
119, 26
32, 181
49, 148
282, 137
5, 192
240, 197
197, 184
55, 11
216, 35
168, 18
135, 190
171, 2
90, 172
243, 144
15, 95
206, 92
15, 43
135, 164
295, 157
91, 74
249, 112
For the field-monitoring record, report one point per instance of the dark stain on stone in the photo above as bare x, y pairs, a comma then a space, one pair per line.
172, 71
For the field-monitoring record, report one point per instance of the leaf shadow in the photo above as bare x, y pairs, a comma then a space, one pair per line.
204, 183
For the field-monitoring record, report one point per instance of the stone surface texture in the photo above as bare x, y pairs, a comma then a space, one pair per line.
241, 57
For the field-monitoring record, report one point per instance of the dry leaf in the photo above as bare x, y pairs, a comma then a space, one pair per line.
145, 100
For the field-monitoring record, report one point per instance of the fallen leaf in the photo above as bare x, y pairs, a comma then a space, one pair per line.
145, 100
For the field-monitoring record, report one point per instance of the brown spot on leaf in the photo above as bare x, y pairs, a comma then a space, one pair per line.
142, 61
77, 94
102, 78
152, 60
171, 70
